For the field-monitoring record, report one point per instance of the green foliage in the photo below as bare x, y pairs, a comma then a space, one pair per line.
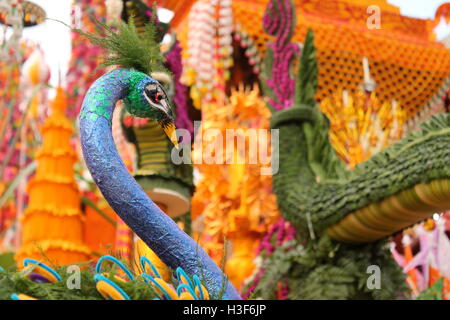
324, 269
223, 261
417, 159
322, 157
314, 191
12, 281
7, 260
15, 282
127, 48
434, 292
276, 269
137, 289
438, 125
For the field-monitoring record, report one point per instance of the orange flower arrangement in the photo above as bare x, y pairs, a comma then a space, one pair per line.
233, 201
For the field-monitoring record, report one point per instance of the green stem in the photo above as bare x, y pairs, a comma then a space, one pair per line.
417, 141
89, 203
23, 174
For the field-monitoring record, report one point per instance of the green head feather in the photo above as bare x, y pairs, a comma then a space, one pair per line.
138, 53
127, 47
135, 102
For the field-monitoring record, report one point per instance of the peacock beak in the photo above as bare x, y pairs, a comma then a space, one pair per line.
169, 129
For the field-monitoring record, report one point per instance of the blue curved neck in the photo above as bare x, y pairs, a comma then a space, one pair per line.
174, 247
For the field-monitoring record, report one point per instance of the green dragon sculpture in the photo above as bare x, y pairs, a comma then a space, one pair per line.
343, 216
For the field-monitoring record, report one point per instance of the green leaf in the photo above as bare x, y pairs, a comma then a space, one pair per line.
306, 85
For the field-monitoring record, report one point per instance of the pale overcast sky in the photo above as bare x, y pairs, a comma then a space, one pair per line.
54, 38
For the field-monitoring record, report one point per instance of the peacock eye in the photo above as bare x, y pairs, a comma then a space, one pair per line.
155, 94
157, 97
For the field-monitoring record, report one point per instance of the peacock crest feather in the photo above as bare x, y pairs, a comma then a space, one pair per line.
127, 47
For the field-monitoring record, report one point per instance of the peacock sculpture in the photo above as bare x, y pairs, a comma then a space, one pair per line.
144, 97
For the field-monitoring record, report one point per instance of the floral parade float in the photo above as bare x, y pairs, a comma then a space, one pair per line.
357, 162
325, 263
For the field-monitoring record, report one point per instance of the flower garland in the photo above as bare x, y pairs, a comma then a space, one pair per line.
251, 50
278, 22
224, 41
209, 52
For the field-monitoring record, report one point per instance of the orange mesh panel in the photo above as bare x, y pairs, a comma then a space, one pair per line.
406, 65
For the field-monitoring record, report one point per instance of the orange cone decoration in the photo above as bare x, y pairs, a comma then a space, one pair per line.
52, 228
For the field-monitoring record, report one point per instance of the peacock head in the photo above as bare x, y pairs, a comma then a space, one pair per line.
147, 98
137, 54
